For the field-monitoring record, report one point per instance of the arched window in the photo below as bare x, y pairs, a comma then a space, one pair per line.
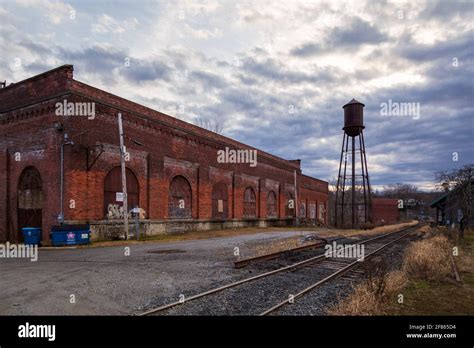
271, 204
250, 206
179, 198
303, 210
290, 205
30, 199
220, 204
113, 199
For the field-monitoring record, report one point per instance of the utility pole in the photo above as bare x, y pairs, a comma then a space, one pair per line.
124, 177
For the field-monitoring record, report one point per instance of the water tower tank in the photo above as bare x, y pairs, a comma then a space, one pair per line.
353, 118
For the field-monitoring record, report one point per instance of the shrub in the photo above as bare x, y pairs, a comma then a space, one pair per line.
370, 296
428, 259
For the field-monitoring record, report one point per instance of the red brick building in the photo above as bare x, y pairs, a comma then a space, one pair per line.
173, 172
385, 210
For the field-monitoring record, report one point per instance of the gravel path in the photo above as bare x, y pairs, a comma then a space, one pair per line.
105, 281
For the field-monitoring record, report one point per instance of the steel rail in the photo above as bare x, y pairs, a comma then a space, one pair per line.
271, 256
331, 276
266, 274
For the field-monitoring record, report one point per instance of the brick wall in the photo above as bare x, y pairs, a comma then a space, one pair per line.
385, 210
168, 147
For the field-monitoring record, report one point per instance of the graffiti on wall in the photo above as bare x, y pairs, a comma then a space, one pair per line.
115, 211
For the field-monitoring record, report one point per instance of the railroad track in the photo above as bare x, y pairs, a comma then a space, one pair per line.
333, 267
266, 257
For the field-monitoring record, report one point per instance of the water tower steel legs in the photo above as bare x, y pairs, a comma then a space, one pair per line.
362, 155
341, 182
369, 206
344, 180
338, 183
353, 182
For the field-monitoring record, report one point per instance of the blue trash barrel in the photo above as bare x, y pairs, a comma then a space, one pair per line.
31, 235
70, 235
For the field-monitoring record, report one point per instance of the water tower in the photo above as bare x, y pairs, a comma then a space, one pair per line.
353, 186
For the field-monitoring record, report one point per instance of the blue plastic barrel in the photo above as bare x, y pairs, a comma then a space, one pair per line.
31, 235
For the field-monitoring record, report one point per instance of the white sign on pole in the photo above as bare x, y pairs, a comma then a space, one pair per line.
119, 196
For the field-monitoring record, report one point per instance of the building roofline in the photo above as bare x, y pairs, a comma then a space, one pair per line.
313, 178
438, 200
199, 131
39, 76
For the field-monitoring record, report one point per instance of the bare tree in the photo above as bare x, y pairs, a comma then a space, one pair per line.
211, 125
459, 183
400, 191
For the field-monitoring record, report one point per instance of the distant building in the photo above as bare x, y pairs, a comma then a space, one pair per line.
449, 210
385, 210
415, 209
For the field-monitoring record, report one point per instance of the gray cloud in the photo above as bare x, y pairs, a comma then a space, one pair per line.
147, 70
251, 100
359, 32
207, 80
460, 47
306, 50
445, 10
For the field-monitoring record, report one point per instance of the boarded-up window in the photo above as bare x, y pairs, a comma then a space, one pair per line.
29, 191
113, 205
180, 198
303, 210
220, 205
321, 212
312, 211
271, 205
250, 206
30, 199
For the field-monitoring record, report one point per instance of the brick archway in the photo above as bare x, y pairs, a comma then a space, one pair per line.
30, 200
180, 198
290, 212
271, 205
220, 201
250, 203
113, 185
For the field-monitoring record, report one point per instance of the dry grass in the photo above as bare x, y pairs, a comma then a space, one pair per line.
374, 231
428, 259
427, 231
276, 246
424, 261
371, 296
465, 261
422, 295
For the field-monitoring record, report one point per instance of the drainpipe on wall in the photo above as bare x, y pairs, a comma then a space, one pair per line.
66, 142
297, 219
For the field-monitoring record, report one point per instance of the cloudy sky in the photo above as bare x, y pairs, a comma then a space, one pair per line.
274, 75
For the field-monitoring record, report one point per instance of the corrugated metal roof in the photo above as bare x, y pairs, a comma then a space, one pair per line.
436, 201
